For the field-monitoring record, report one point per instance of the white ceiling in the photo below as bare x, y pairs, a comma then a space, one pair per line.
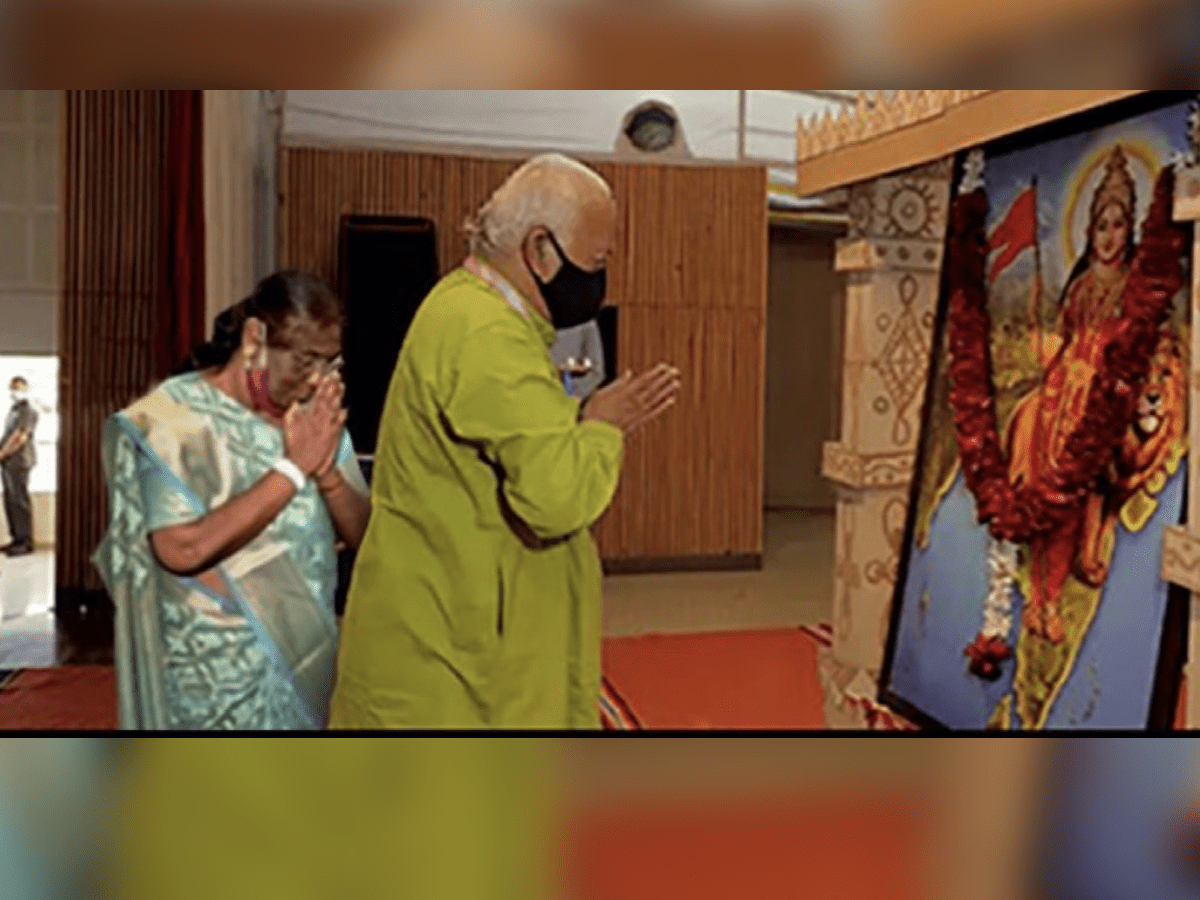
582, 122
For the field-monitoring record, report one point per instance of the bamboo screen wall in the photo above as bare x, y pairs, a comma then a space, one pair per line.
113, 146
690, 278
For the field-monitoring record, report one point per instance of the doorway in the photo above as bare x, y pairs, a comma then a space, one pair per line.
794, 587
802, 409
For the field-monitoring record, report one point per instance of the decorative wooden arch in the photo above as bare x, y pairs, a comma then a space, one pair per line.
893, 152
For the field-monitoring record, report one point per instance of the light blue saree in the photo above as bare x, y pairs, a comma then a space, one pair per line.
22, 871
53, 810
255, 647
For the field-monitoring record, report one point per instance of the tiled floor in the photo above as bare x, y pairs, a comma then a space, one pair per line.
27, 638
794, 587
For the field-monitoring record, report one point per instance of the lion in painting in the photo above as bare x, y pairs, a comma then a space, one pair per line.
1150, 453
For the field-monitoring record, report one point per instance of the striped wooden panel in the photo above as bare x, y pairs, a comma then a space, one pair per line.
690, 278
113, 144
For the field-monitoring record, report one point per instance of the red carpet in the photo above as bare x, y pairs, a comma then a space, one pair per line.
834, 848
68, 697
739, 681
746, 680
735, 681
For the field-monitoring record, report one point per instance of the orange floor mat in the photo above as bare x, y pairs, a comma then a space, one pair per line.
836, 848
734, 680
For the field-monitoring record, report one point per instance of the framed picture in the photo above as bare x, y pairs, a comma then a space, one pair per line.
1053, 449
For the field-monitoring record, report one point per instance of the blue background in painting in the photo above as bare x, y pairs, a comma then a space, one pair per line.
1111, 683
929, 669
1114, 820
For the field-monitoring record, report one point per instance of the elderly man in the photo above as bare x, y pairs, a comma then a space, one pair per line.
475, 600
17, 458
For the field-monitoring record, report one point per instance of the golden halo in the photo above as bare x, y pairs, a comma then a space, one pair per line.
1144, 164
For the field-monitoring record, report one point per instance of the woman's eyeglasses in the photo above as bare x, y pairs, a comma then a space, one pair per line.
307, 363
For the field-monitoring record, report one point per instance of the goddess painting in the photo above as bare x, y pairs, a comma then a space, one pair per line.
1055, 436
1088, 312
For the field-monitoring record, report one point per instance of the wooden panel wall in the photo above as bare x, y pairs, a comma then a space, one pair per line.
690, 278
113, 146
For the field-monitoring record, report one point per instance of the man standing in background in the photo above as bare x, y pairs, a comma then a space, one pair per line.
17, 457
579, 355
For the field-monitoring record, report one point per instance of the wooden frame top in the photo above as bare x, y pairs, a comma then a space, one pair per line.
882, 136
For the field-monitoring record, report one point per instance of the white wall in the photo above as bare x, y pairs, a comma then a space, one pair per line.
30, 169
29, 204
582, 122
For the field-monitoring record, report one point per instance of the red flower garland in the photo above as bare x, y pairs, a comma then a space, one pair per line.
1017, 515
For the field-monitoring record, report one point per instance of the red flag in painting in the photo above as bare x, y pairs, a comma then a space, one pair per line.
1016, 233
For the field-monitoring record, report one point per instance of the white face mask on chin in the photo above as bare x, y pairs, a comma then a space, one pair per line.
19, 396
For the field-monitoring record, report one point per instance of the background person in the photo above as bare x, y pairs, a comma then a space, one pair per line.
17, 458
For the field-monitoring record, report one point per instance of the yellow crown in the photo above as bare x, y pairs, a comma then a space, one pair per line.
1117, 186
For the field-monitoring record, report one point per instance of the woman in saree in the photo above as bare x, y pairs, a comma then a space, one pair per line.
229, 487
1089, 311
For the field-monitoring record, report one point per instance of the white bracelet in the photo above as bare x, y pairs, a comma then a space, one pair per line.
291, 472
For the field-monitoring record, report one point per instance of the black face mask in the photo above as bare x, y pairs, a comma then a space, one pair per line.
573, 296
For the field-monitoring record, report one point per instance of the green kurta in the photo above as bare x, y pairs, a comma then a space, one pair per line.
475, 600
445, 819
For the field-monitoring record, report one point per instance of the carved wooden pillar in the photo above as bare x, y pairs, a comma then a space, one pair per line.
892, 260
1181, 546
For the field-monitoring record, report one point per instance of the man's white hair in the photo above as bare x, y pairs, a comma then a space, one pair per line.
542, 192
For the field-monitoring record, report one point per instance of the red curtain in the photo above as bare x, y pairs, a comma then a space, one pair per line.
180, 310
